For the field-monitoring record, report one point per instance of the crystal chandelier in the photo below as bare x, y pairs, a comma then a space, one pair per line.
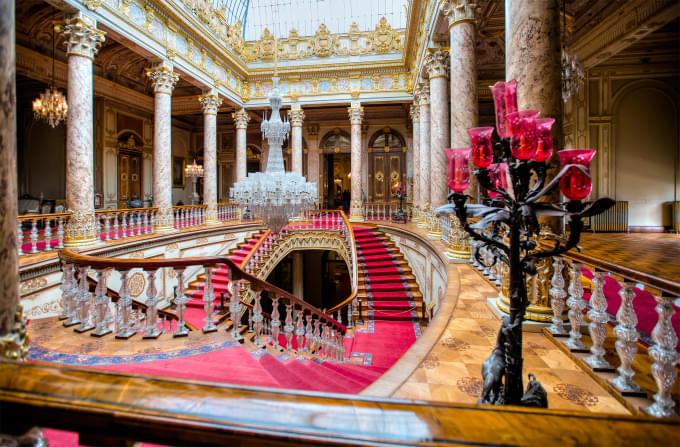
275, 195
194, 172
51, 105
572, 72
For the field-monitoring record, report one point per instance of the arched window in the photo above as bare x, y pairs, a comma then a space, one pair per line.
387, 140
335, 141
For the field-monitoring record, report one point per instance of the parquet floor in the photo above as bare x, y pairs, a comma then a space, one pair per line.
654, 253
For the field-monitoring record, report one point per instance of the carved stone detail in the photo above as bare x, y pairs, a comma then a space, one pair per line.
241, 119
323, 44
457, 11
384, 39
14, 345
356, 114
437, 63
81, 36
296, 117
163, 78
210, 103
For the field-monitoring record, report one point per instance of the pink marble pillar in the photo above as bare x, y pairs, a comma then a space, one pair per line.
437, 64
424, 106
356, 114
298, 275
415, 197
82, 43
9, 267
313, 157
296, 117
211, 104
241, 119
364, 161
163, 80
464, 114
533, 59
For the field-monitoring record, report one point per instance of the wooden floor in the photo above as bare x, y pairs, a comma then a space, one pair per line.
654, 253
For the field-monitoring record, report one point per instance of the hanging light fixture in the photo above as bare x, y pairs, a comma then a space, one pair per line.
51, 106
275, 195
573, 75
194, 172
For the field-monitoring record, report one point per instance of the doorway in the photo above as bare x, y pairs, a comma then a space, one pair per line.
338, 170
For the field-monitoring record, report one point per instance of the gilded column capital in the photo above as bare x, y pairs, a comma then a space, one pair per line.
424, 96
162, 78
296, 117
437, 63
459, 11
81, 35
415, 112
210, 102
356, 113
241, 119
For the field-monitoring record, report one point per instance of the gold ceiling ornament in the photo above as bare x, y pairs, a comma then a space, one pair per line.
323, 44
264, 48
92, 5
235, 38
384, 39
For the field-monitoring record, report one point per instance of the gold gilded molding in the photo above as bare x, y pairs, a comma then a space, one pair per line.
14, 345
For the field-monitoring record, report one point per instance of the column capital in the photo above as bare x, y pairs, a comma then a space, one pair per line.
356, 113
415, 112
241, 118
313, 130
460, 11
162, 77
210, 102
437, 63
296, 116
424, 96
81, 35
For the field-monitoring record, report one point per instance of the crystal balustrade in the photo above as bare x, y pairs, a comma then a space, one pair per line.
385, 210
600, 331
45, 232
98, 314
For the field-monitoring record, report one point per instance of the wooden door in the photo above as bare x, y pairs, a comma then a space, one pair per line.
385, 173
129, 177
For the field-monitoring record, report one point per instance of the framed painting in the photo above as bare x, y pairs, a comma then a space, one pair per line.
178, 165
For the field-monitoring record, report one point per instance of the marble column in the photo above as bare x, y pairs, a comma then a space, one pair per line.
241, 119
364, 162
313, 158
9, 266
163, 80
533, 58
210, 102
356, 114
462, 38
298, 275
296, 116
424, 107
437, 64
83, 40
415, 197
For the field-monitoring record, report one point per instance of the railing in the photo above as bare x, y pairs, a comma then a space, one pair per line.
385, 210
316, 332
45, 232
598, 289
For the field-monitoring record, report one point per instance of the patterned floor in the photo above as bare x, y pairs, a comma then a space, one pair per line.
452, 370
654, 253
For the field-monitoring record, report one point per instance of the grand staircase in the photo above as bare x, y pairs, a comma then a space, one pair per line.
386, 282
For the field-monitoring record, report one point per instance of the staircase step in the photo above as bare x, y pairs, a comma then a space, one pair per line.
359, 373
284, 375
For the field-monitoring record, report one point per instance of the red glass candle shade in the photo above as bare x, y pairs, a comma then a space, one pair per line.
545, 143
482, 153
505, 101
458, 175
523, 133
498, 174
575, 184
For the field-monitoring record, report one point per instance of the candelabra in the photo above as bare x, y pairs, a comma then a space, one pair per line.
194, 172
516, 181
399, 193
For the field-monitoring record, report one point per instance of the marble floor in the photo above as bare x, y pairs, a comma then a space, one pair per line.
451, 372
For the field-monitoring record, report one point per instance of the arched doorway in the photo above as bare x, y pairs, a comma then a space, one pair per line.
386, 164
335, 148
129, 167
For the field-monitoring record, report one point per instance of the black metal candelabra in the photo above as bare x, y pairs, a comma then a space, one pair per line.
515, 211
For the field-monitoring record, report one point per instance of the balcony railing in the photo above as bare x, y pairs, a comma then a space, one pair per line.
385, 210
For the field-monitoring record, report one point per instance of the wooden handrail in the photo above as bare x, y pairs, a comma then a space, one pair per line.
255, 248
237, 273
24, 217
125, 210
663, 285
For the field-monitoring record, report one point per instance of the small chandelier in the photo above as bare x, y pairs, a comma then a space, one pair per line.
193, 170
51, 105
572, 72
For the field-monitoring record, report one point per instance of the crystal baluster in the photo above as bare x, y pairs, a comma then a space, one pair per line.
257, 318
124, 311
181, 304
665, 357
20, 238
115, 226
84, 297
71, 298
576, 305
209, 301
48, 235
288, 327
626, 339
300, 331
598, 323
125, 225
557, 296
235, 310
275, 323
309, 334
65, 302
107, 227
34, 236
151, 330
101, 304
